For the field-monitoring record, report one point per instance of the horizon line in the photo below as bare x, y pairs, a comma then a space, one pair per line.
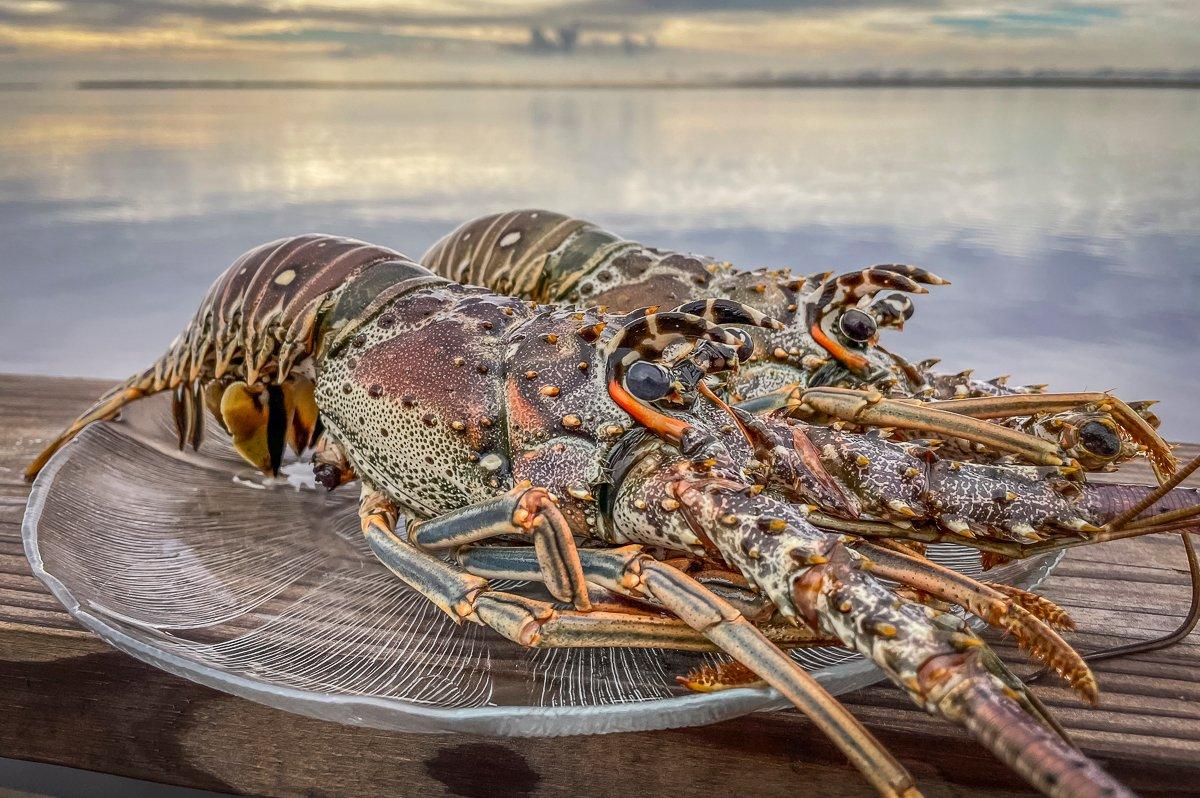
1185, 80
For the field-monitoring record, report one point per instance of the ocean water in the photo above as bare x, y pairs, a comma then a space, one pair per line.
1067, 219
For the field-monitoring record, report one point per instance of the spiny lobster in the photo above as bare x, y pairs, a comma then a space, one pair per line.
490, 424
830, 341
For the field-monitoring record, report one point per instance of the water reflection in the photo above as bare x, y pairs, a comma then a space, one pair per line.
1067, 219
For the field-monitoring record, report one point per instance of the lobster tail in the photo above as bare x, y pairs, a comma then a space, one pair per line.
533, 254
107, 406
257, 324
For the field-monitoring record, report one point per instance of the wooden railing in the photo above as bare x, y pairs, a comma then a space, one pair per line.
67, 698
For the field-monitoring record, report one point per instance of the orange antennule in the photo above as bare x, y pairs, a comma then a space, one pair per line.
851, 360
670, 429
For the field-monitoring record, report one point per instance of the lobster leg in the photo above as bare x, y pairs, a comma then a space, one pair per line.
769, 402
538, 624
987, 603
1087, 514
1166, 641
465, 596
569, 628
526, 511
451, 590
529, 622
630, 572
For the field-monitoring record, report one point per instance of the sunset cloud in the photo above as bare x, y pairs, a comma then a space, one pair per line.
75, 39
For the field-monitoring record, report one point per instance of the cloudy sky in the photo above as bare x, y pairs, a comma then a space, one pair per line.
51, 40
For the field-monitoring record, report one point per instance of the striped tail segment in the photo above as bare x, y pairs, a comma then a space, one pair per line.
241, 354
533, 254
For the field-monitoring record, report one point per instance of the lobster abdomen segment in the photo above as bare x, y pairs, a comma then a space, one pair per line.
266, 304
518, 252
551, 257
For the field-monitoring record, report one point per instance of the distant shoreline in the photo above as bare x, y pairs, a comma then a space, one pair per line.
888, 82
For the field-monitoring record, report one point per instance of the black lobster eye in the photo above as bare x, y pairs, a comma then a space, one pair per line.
746, 346
856, 325
648, 381
1099, 439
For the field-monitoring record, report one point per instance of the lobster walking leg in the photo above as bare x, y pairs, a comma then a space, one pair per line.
451, 590
569, 628
991, 605
538, 624
529, 622
1166, 641
628, 571
974, 506
524, 510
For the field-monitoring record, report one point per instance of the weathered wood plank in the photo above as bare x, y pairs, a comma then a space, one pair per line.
66, 698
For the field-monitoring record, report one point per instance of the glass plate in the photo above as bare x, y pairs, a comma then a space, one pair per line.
265, 589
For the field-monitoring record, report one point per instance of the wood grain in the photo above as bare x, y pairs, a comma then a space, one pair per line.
66, 698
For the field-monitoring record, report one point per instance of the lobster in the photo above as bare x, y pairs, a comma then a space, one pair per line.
827, 362
586, 451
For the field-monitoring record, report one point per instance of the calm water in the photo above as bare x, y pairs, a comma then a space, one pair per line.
1069, 220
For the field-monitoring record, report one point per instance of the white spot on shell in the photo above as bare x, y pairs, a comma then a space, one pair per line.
510, 238
491, 462
464, 263
285, 277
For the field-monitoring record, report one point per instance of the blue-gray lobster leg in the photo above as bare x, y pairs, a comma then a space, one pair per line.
527, 511
527, 621
628, 571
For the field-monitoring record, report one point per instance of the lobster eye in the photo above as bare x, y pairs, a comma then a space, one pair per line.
856, 325
1099, 439
648, 381
746, 346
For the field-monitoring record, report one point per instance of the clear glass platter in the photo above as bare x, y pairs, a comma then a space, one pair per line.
265, 589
